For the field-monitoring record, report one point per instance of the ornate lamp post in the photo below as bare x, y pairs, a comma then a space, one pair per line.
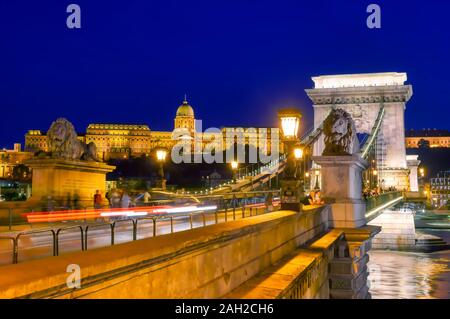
234, 166
298, 154
290, 185
307, 183
375, 177
421, 178
161, 154
317, 173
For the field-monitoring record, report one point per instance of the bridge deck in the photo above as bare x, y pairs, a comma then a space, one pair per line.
376, 205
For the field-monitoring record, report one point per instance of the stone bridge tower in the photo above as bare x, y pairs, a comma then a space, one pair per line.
363, 95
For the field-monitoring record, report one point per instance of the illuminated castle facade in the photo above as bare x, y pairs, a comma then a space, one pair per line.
124, 140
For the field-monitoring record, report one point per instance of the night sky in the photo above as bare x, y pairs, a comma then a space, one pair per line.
238, 61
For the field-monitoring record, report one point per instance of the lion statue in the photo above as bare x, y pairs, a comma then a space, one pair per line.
63, 143
340, 134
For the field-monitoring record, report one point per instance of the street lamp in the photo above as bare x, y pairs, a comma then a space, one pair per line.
421, 178
290, 123
317, 173
234, 166
375, 174
307, 183
298, 152
290, 185
161, 154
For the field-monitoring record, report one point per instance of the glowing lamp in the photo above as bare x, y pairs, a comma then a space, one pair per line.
161, 155
298, 153
290, 123
234, 164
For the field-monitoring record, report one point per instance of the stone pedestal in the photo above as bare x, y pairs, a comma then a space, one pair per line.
291, 195
67, 182
342, 189
348, 269
398, 231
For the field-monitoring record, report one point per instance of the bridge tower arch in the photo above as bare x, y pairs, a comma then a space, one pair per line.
371, 99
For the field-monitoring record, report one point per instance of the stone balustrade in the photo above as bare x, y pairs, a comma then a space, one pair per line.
206, 262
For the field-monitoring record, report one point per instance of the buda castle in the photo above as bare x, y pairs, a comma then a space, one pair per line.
125, 140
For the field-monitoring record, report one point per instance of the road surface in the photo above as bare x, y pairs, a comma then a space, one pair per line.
40, 245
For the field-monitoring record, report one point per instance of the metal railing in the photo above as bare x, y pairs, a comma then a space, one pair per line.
230, 207
14, 216
371, 140
375, 202
250, 171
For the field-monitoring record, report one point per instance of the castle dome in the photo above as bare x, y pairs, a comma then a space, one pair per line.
185, 109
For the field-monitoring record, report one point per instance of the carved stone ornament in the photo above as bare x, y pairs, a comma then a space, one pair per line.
340, 134
63, 143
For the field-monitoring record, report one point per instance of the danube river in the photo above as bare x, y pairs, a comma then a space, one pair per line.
398, 275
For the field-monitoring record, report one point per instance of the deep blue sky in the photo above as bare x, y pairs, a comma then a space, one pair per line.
238, 60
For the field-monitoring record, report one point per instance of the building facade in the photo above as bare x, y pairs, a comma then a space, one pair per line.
124, 140
35, 140
11, 158
440, 189
431, 137
119, 140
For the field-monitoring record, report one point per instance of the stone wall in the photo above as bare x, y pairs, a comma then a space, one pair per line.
303, 274
206, 262
334, 266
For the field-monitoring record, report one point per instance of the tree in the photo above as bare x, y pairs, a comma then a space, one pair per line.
423, 143
21, 172
5, 158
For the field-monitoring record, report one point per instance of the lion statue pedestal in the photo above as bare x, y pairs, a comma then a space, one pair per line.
341, 170
342, 189
67, 183
70, 173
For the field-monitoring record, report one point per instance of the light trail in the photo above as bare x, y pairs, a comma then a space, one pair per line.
39, 217
185, 209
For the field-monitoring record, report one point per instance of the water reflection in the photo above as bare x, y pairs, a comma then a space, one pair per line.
398, 275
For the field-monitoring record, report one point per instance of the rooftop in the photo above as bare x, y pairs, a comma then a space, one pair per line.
358, 80
427, 133
119, 126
